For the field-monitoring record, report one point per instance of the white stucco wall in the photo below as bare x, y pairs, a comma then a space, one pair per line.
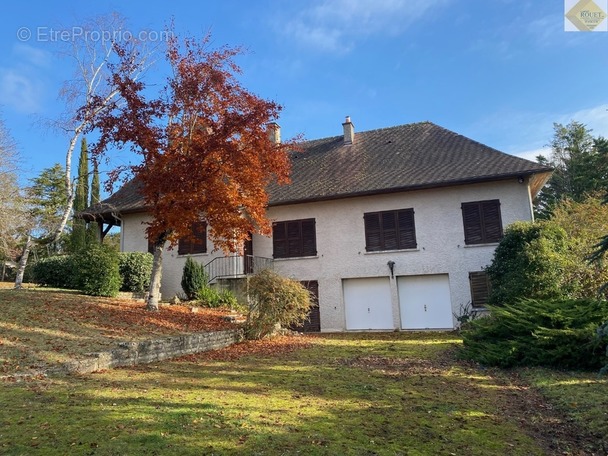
439, 233
133, 239
341, 243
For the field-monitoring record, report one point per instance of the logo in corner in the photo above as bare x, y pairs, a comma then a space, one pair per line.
585, 16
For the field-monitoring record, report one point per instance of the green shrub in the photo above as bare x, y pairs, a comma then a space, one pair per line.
135, 269
275, 300
530, 262
194, 278
210, 297
58, 271
552, 333
98, 271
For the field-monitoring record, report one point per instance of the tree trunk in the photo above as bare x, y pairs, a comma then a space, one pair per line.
157, 270
23, 263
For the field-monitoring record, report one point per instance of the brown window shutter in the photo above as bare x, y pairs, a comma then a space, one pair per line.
279, 240
373, 235
196, 243
491, 220
482, 222
480, 288
389, 230
309, 238
294, 238
407, 229
471, 217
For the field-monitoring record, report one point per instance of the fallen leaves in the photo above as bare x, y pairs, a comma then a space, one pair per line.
43, 327
266, 347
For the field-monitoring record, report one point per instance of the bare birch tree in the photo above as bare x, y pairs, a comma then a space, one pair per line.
12, 215
93, 50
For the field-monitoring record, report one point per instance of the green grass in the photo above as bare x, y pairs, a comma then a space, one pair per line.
387, 394
582, 396
351, 394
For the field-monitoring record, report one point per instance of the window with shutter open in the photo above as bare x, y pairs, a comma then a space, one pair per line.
482, 222
480, 288
197, 243
390, 230
294, 238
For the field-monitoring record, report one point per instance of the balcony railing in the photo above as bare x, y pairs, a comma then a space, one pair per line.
236, 266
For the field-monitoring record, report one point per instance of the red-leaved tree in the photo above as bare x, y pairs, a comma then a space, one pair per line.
205, 147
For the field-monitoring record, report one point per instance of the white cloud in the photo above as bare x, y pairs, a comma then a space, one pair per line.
32, 55
532, 154
337, 25
22, 86
20, 91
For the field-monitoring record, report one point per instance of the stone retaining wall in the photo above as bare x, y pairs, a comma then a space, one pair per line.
147, 351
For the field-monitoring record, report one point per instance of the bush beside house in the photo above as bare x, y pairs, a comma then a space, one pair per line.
135, 269
558, 333
275, 301
99, 270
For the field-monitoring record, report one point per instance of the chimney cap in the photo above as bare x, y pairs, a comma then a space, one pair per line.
347, 119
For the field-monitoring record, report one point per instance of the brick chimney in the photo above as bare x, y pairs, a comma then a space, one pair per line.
349, 131
274, 132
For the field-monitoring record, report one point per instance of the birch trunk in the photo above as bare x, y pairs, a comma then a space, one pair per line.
23, 263
157, 270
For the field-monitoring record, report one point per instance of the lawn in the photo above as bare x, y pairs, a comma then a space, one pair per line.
355, 393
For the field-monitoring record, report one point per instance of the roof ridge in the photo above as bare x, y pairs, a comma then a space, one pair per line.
308, 141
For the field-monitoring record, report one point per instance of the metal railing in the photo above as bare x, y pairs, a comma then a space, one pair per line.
236, 266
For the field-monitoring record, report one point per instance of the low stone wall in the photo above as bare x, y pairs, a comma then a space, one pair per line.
147, 351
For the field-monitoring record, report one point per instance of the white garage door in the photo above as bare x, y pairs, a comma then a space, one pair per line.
424, 302
368, 303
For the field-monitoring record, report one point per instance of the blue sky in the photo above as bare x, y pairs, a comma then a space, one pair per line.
500, 72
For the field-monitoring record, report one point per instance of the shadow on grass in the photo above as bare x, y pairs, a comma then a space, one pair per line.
333, 398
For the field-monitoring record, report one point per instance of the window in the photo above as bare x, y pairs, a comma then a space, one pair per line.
480, 288
197, 243
482, 223
294, 238
390, 230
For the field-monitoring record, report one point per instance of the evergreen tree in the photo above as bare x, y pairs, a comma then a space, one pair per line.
95, 186
79, 229
46, 198
580, 164
93, 230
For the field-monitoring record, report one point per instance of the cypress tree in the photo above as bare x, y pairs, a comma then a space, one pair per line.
95, 186
79, 226
92, 230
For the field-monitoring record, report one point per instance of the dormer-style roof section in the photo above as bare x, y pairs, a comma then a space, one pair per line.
403, 158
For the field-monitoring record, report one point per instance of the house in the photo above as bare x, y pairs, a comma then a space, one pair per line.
391, 228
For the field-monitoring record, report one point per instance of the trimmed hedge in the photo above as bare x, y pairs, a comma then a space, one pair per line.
135, 269
98, 271
552, 333
56, 271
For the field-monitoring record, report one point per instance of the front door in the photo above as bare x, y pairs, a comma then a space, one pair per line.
248, 256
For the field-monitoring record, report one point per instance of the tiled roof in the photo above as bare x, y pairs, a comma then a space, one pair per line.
406, 157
